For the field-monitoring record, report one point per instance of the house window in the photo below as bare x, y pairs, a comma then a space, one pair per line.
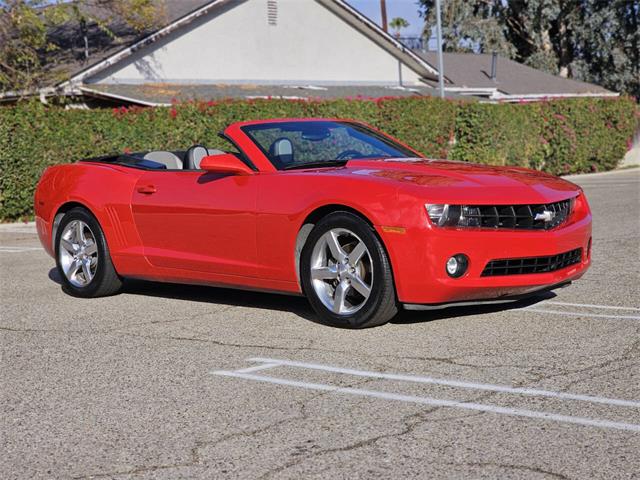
272, 12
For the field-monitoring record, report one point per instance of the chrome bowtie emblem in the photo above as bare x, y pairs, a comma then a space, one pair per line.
546, 216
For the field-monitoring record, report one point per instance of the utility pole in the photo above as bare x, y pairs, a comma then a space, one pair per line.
383, 14
439, 42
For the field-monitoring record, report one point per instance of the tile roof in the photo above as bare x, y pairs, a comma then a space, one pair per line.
165, 93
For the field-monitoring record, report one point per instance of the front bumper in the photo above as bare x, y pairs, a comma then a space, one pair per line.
495, 301
418, 257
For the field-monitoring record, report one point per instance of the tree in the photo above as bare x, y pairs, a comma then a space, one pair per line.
397, 24
32, 32
592, 40
467, 26
607, 39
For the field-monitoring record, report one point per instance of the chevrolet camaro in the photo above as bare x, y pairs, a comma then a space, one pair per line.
355, 220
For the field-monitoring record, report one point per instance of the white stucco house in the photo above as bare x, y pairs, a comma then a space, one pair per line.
256, 48
213, 49
265, 42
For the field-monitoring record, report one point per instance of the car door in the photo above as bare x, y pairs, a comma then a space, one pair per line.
197, 221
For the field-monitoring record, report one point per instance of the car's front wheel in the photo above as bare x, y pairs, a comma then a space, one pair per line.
82, 256
346, 274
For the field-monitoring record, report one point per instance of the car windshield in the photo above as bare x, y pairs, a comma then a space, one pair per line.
321, 143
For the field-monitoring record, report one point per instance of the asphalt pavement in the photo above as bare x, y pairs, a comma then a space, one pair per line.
170, 381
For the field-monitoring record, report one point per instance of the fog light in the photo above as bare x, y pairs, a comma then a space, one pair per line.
457, 265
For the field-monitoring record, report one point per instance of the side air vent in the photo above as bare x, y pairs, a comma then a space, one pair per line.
116, 224
272, 12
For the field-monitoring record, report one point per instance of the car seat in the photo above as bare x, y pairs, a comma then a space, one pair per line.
282, 150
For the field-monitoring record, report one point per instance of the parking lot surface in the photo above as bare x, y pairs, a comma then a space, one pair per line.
171, 381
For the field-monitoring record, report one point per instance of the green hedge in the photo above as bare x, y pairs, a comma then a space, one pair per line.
563, 136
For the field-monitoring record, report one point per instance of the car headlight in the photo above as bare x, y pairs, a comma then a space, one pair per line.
444, 215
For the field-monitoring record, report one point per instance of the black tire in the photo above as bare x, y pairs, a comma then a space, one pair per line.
381, 305
105, 281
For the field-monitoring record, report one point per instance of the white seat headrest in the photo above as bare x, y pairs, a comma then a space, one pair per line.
169, 159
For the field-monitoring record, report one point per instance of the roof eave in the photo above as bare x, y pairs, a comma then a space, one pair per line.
16, 95
122, 98
143, 42
533, 97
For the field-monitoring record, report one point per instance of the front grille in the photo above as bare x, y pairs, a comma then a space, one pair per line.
548, 215
519, 266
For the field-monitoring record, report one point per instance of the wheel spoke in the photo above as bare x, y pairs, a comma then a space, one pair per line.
339, 297
359, 286
91, 248
86, 269
79, 232
68, 246
73, 268
356, 254
334, 246
324, 273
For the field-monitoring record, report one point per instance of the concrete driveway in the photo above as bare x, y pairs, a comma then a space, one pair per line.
166, 381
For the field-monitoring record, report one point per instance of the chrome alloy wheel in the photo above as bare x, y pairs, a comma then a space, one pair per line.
78, 253
341, 271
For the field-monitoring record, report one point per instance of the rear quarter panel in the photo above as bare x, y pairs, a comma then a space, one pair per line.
105, 190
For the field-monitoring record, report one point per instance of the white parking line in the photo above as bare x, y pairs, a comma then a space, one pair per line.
23, 228
581, 314
271, 363
438, 402
26, 231
18, 249
590, 305
258, 367
437, 381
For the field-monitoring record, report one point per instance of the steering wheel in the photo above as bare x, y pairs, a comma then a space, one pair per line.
347, 154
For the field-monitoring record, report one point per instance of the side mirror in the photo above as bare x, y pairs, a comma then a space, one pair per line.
225, 163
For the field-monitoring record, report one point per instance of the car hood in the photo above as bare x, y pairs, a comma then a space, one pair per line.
440, 181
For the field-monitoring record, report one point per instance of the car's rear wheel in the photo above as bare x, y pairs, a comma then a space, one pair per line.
346, 274
82, 256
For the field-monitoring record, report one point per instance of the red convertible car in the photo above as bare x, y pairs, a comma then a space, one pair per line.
348, 216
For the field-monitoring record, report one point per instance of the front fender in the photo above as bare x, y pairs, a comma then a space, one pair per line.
286, 201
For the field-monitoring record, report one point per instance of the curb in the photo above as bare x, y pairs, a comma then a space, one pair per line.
603, 174
18, 227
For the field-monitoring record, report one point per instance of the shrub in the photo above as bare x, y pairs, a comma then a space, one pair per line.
563, 136
500, 134
426, 124
558, 136
587, 135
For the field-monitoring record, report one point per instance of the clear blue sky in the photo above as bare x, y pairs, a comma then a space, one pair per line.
407, 9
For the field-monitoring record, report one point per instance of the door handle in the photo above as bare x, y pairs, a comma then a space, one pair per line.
147, 189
